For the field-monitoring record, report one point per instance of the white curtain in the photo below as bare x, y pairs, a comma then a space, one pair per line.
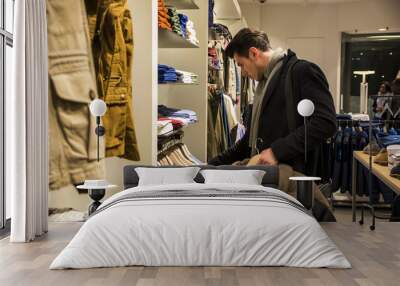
26, 120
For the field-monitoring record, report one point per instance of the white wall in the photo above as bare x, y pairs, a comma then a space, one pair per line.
252, 13
315, 29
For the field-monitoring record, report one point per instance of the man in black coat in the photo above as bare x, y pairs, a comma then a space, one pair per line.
276, 130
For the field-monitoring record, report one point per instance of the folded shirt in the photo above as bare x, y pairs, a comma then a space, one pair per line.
359, 116
164, 127
187, 116
166, 74
176, 124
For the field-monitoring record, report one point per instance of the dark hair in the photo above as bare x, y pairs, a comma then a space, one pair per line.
396, 86
387, 86
244, 40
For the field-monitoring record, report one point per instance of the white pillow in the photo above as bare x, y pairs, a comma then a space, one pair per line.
248, 177
164, 176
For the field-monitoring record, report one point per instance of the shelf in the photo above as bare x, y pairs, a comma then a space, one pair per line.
169, 39
178, 83
177, 132
227, 10
182, 4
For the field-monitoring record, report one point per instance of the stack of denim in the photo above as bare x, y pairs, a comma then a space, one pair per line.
386, 139
166, 74
183, 19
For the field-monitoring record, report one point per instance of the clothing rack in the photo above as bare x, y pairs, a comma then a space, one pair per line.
384, 96
167, 146
336, 179
166, 141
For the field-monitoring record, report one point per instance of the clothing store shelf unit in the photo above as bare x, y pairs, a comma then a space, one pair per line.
182, 4
227, 10
180, 53
169, 39
177, 83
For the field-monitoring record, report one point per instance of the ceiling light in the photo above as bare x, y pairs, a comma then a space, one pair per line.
384, 37
391, 53
383, 29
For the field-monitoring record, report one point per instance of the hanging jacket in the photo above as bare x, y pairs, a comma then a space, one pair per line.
110, 26
72, 86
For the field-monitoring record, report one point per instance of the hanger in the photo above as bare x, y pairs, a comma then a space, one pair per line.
387, 107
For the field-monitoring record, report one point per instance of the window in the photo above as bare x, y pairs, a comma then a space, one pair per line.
6, 64
379, 53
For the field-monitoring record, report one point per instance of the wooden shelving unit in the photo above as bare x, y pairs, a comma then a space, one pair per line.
182, 4
169, 39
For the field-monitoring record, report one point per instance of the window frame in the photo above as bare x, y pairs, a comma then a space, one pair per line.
6, 39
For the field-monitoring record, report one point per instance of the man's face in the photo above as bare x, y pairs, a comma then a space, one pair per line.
382, 88
250, 66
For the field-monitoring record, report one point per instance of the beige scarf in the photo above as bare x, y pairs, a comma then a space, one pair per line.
275, 63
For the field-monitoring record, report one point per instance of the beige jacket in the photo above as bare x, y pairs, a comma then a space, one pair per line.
72, 87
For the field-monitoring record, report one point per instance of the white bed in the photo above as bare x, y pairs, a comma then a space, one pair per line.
268, 228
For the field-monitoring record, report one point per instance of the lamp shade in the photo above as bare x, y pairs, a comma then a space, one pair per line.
98, 107
305, 108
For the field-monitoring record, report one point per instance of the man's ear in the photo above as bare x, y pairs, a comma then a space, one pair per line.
253, 53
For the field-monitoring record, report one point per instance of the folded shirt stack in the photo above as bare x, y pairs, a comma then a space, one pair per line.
359, 116
163, 18
176, 123
183, 21
186, 77
175, 21
184, 116
191, 33
166, 74
164, 127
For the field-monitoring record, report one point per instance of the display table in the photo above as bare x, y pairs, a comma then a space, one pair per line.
381, 172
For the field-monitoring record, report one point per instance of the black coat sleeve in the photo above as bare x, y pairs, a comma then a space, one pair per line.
237, 152
310, 81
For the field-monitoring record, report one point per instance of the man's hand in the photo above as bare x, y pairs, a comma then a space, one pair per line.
267, 157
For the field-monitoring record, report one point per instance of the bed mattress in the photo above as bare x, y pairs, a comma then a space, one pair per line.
201, 225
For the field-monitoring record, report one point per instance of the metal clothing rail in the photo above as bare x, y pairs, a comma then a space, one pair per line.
384, 96
354, 123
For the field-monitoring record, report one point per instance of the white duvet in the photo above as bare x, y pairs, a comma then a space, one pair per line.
200, 231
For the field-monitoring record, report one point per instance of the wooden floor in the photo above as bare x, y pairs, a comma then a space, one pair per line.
375, 257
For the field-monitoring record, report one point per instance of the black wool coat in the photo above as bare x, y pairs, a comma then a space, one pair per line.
308, 82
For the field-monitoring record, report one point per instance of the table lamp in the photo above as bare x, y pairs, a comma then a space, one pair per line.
98, 108
305, 193
96, 188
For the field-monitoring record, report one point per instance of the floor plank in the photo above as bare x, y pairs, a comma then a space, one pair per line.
375, 257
